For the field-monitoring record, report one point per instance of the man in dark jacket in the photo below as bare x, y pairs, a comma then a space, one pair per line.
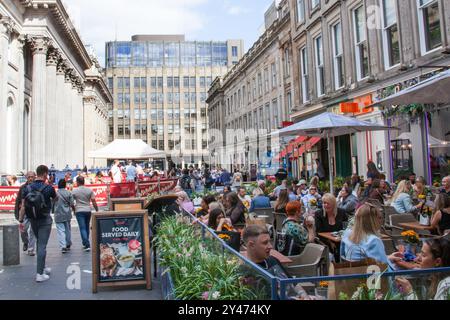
225, 177
27, 235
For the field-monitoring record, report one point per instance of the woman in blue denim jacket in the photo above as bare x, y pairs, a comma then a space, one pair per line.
402, 201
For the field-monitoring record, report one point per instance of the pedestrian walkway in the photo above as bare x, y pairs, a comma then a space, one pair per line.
18, 282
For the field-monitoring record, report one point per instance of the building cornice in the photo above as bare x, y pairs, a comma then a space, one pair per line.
62, 19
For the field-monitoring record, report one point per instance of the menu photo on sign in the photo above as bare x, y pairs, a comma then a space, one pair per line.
120, 241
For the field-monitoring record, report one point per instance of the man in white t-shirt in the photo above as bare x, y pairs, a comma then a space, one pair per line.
116, 173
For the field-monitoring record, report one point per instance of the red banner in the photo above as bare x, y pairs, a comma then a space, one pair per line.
8, 196
148, 188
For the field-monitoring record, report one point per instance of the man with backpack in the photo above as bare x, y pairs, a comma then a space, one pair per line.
185, 181
27, 234
36, 205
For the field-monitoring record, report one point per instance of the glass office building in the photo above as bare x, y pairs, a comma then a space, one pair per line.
160, 86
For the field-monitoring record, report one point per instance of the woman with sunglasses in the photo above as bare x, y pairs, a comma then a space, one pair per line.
435, 254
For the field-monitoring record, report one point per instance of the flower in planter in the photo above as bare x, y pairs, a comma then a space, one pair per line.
216, 295
324, 284
224, 237
411, 237
205, 295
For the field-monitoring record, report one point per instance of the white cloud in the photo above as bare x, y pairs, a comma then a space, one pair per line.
99, 21
236, 10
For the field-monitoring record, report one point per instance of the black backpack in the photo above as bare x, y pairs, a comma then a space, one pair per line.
35, 205
286, 245
185, 183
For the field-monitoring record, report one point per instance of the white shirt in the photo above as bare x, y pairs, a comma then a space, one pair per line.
117, 175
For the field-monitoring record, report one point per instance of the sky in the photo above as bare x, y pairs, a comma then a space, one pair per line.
99, 21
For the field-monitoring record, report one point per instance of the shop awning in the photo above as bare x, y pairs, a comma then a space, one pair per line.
291, 147
307, 146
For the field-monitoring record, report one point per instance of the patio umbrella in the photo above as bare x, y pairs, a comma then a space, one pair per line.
328, 125
431, 91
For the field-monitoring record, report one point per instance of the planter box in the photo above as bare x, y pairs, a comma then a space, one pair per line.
167, 288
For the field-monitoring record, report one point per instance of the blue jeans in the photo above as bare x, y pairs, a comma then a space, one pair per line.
42, 230
84, 220
64, 234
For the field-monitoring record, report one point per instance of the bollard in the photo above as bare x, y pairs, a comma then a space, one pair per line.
11, 245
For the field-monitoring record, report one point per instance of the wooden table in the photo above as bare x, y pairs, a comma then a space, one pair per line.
414, 226
280, 257
332, 238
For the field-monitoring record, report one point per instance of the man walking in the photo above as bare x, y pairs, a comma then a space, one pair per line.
116, 173
27, 235
83, 197
131, 172
36, 204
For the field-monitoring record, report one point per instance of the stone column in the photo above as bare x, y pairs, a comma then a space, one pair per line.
39, 46
22, 145
51, 121
80, 124
67, 122
60, 126
5, 32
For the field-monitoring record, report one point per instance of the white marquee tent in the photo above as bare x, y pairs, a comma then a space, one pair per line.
127, 149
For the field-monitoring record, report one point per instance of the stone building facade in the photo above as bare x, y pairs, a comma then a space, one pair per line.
42, 85
359, 51
254, 98
160, 83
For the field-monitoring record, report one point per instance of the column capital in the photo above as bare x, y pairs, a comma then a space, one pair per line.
61, 66
53, 57
6, 26
68, 73
39, 44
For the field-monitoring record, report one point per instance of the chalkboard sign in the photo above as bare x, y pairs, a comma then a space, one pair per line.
121, 249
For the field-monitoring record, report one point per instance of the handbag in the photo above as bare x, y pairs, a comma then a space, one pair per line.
350, 286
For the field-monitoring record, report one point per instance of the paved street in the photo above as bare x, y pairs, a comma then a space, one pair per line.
18, 283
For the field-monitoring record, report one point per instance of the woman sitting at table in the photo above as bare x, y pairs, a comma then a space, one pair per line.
313, 194
204, 210
235, 209
435, 254
283, 200
184, 202
441, 219
419, 188
332, 219
401, 200
260, 200
376, 193
218, 222
347, 201
294, 229
363, 241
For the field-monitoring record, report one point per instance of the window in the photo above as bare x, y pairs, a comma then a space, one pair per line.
176, 82
169, 82
361, 51
126, 82
120, 130
186, 98
208, 81
137, 129
137, 83
155, 144
120, 83
161, 144
143, 83
186, 82
192, 82
120, 99
154, 114
143, 98
274, 75
300, 11
268, 117
202, 82
170, 98
254, 88
338, 56
234, 51
289, 101
154, 129
391, 41
276, 120
287, 63
137, 97
172, 54
193, 98
110, 83
260, 85
202, 97
430, 25
266, 80
304, 74
144, 132
153, 82
144, 114
153, 98
320, 84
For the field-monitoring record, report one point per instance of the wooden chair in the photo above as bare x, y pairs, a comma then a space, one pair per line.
396, 219
307, 264
388, 211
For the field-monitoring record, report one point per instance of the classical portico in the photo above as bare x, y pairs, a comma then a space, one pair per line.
42, 88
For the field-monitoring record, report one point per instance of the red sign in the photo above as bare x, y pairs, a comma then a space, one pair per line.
8, 196
148, 188
123, 190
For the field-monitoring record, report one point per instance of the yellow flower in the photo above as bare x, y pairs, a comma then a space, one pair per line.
224, 237
422, 197
324, 284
